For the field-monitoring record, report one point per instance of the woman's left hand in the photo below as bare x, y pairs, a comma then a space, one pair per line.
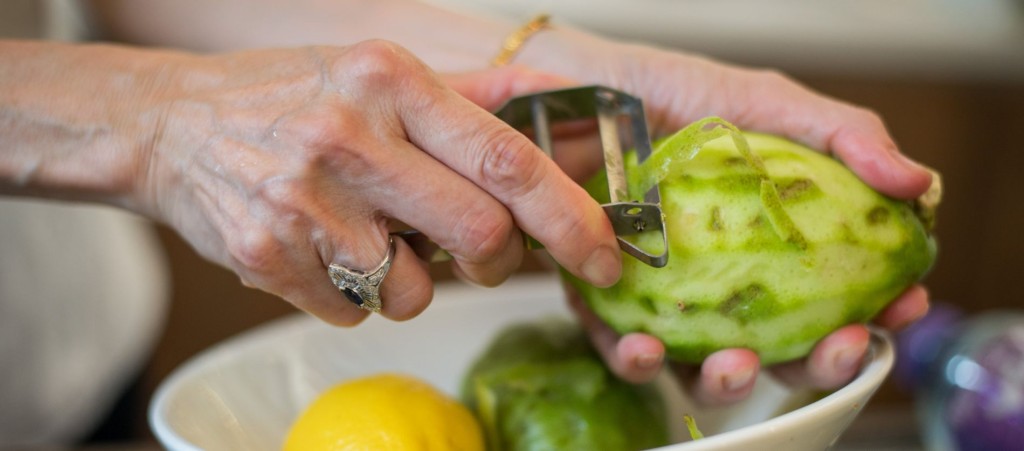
677, 89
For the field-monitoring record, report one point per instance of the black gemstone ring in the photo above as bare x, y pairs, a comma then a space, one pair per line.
362, 288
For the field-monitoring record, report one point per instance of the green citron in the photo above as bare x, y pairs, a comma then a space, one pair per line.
540, 386
771, 247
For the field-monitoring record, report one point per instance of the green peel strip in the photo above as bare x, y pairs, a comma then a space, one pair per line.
691, 426
684, 146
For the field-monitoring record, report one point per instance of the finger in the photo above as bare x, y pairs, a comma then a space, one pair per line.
476, 229
407, 289
726, 377
577, 143
876, 160
284, 256
317, 296
543, 201
771, 102
332, 216
834, 361
910, 306
635, 358
502, 83
348, 232
388, 177
309, 287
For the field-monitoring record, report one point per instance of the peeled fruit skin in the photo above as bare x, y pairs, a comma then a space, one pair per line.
736, 277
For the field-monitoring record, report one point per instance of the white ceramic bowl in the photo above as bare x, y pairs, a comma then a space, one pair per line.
245, 392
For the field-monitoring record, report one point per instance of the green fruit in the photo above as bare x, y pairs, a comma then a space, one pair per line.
770, 248
540, 386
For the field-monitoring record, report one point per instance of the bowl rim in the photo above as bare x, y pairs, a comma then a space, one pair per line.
241, 344
879, 363
879, 360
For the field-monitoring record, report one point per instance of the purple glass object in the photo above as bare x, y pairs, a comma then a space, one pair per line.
968, 376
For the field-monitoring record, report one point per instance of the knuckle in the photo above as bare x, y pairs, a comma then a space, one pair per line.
378, 62
573, 229
260, 247
325, 149
378, 69
283, 196
257, 250
510, 163
746, 90
771, 81
773, 77
326, 135
868, 116
326, 126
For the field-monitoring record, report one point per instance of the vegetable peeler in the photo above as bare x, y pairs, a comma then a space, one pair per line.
621, 126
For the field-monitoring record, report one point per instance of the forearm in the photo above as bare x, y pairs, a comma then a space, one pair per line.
74, 121
446, 40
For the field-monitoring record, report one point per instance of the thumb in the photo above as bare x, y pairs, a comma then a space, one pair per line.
490, 88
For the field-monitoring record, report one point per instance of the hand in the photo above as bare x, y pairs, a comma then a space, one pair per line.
728, 376
279, 163
678, 89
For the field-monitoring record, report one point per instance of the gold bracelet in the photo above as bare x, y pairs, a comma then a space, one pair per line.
514, 42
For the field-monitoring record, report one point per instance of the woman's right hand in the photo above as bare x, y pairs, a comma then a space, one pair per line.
279, 163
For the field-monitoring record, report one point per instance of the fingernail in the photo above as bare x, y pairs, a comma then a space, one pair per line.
738, 380
648, 361
602, 267
848, 360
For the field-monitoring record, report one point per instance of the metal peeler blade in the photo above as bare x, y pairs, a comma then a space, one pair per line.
622, 125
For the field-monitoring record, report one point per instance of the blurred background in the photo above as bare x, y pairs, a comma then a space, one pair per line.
946, 75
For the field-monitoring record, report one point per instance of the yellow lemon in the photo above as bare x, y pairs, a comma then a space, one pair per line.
385, 412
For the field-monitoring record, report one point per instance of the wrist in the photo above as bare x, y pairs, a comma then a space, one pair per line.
569, 52
515, 40
76, 118
151, 124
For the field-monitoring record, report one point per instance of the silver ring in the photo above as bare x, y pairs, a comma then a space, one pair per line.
362, 288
